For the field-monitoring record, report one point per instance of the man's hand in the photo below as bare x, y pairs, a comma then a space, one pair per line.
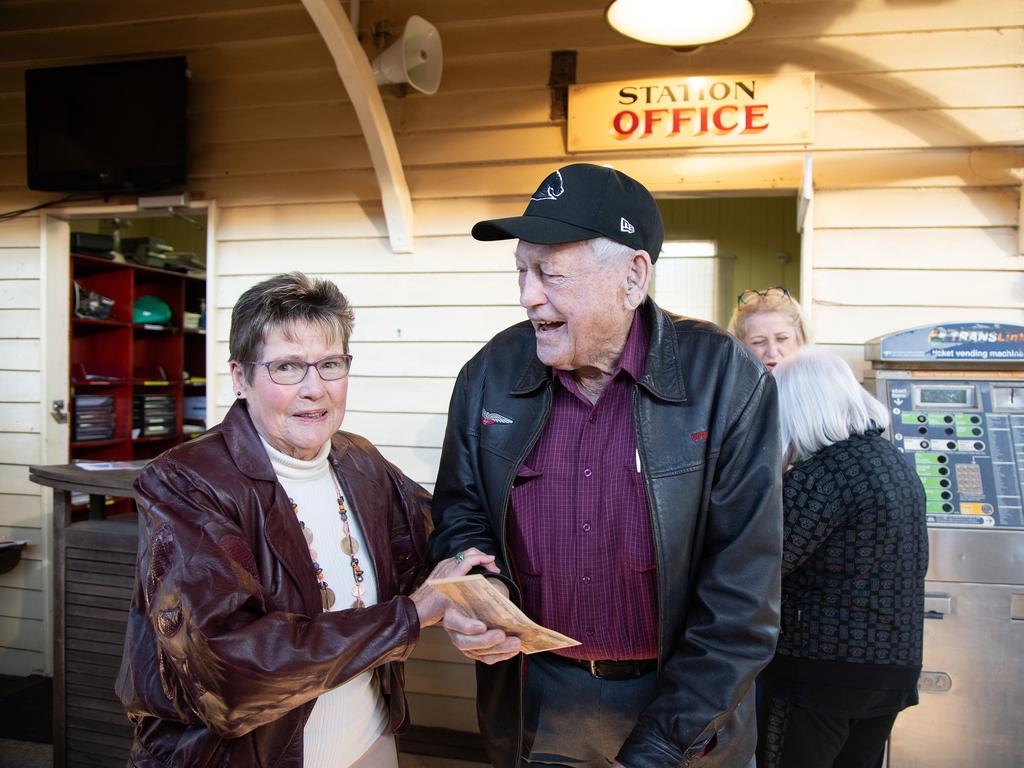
475, 640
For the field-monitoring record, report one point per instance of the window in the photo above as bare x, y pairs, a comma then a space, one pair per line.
690, 278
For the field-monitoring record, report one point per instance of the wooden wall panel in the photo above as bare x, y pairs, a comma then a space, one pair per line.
914, 288
20, 602
19, 510
366, 255
412, 289
414, 394
19, 294
19, 323
19, 663
960, 88
20, 354
21, 633
857, 324
19, 386
902, 208
991, 248
399, 426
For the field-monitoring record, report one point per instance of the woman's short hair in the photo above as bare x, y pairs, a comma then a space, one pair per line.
821, 403
278, 303
769, 300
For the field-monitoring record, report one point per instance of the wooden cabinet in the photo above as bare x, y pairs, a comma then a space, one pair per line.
130, 375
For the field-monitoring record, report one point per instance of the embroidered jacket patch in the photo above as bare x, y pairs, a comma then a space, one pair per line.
487, 418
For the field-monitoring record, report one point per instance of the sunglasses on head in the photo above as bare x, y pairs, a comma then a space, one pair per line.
772, 290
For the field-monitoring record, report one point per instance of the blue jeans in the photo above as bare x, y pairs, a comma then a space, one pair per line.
573, 719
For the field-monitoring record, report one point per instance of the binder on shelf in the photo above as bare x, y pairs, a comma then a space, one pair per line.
93, 417
154, 415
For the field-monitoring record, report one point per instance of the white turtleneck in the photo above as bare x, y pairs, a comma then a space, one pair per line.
345, 722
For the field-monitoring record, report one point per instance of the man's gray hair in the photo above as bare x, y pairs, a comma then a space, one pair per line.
608, 250
279, 303
821, 403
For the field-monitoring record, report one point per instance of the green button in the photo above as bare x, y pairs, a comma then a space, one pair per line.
926, 457
909, 417
968, 431
936, 508
936, 493
929, 470
939, 419
968, 419
938, 483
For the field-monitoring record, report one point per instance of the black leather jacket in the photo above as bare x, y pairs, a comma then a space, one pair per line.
706, 423
227, 645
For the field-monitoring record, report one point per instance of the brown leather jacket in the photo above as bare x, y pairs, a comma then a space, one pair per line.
227, 645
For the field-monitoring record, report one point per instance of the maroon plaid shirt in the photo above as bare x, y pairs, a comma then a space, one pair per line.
580, 529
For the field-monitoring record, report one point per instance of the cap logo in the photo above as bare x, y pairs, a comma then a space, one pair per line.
551, 189
625, 226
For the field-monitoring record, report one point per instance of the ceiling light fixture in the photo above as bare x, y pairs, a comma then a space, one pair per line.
680, 24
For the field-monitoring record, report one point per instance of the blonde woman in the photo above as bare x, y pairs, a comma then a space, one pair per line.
770, 323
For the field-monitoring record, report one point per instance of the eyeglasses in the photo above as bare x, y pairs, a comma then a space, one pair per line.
287, 371
773, 290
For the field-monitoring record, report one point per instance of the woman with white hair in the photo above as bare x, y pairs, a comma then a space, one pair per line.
854, 561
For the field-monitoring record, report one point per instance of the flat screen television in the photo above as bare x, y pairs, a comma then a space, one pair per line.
115, 127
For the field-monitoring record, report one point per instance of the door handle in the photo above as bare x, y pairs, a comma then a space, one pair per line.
937, 606
58, 412
1017, 607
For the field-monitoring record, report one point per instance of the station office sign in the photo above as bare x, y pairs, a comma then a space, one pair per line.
687, 111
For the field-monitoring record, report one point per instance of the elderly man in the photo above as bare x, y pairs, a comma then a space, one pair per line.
622, 464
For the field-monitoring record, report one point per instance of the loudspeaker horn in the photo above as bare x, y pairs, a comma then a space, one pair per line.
415, 58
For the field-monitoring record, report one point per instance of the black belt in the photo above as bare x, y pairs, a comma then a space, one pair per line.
613, 670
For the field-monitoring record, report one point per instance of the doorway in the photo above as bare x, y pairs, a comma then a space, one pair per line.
717, 247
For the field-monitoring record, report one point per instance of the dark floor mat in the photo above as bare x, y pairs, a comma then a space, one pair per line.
26, 708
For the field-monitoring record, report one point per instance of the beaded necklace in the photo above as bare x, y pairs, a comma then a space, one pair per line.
348, 545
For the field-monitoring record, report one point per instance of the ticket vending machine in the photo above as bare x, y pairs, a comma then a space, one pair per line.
955, 395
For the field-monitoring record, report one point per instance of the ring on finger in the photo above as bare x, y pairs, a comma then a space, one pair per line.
460, 556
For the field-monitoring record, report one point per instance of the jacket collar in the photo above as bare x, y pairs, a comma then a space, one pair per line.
663, 374
243, 443
281, 528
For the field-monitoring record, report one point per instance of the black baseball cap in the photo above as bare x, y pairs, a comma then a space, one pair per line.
580, 202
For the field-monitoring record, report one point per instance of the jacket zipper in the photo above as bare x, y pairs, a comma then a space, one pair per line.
503, 539
650, 511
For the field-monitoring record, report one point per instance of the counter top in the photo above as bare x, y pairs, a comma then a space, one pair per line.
115, 481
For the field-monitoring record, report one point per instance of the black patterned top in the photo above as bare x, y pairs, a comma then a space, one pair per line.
855, 556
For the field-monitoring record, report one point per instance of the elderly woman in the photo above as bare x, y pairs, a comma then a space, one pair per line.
854, 560
276, 592
770, 323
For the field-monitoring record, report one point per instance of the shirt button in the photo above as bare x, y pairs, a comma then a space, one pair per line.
587, 473
590, 632
585, 579
586, 527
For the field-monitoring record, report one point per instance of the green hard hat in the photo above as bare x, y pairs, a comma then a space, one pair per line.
151, 309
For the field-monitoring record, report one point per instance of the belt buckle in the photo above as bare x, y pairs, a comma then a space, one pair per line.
593, 669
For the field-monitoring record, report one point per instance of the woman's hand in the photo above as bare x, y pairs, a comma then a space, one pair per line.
430, 604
